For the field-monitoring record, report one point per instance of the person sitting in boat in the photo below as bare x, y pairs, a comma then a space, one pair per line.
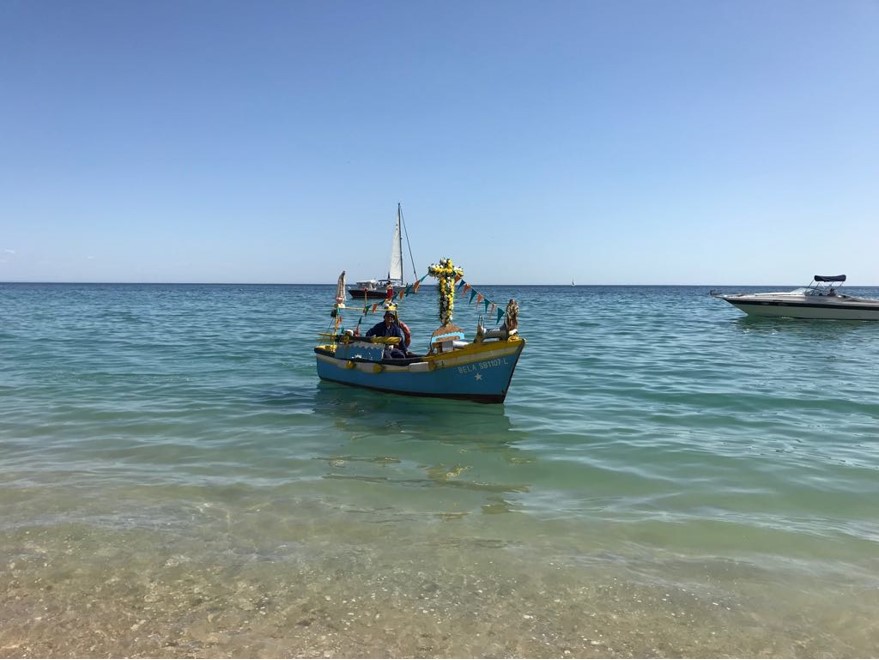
388, 327
407, 336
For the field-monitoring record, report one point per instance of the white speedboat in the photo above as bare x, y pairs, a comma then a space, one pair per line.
819, 300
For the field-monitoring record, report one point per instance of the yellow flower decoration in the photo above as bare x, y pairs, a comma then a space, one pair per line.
446, 272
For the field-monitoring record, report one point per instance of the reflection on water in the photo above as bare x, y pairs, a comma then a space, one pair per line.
424, 453
431, 420
808, 328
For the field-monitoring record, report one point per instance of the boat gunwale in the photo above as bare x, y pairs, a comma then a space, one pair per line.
472, 352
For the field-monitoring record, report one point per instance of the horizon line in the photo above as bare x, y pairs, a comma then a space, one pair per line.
82, 282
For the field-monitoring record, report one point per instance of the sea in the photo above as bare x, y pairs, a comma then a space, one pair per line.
666, 478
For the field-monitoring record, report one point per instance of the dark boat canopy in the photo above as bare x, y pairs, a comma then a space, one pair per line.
830, 278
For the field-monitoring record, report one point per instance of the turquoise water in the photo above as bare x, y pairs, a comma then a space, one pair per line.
666, 478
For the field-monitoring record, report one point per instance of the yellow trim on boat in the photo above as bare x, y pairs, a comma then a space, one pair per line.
475, 348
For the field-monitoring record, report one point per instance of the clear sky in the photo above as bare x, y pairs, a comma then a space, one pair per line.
605, 141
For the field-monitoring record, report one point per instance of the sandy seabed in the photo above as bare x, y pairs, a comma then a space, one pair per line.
78, 592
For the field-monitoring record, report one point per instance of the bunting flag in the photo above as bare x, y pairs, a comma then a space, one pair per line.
491, 308
488, 305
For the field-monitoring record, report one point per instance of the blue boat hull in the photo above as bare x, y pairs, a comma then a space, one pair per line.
476, 372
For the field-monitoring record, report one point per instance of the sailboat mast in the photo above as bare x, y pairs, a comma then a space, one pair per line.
399, 237
408, 245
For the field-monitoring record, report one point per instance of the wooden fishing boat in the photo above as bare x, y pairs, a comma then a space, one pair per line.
479, 370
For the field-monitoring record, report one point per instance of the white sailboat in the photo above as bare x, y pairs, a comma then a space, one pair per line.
384, 287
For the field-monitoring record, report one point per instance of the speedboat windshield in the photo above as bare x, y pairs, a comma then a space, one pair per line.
815, 292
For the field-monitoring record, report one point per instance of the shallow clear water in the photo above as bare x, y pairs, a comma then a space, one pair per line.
666, 477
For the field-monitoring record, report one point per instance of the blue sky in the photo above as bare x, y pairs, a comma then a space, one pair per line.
610, 142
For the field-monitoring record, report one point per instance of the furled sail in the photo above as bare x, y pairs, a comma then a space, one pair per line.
395, 271
340, 290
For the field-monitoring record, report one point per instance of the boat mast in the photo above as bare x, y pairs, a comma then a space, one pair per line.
400, 240
402, 224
